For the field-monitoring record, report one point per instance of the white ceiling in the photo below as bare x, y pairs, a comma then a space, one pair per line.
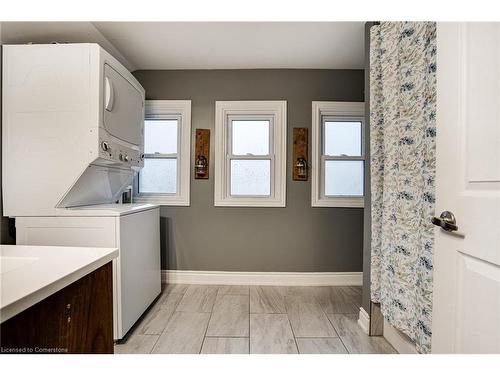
210, 45
237, 45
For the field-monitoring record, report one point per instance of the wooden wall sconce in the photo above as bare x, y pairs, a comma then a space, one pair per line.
300, 166
202, 154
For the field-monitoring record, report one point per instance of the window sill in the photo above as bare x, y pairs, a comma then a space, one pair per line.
339, 202
162, 200
241, 202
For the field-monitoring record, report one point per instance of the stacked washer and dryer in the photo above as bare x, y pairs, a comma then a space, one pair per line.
72, 139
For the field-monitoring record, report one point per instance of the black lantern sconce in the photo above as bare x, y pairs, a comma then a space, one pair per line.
301, 168
201, 166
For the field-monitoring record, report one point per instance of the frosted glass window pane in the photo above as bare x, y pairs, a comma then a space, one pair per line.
251, 177
158, 176
344, 178
250, 137
342, 138
160, 136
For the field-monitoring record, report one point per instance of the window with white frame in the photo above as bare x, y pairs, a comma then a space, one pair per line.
338, 158
164, 179
250, 153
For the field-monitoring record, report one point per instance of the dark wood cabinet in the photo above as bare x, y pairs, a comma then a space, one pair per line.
76, 319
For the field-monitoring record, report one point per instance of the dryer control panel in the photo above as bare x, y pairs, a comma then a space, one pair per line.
120, 154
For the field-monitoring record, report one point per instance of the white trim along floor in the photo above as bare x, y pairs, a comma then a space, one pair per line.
263, 278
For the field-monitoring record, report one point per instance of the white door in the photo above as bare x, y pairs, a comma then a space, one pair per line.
466, 312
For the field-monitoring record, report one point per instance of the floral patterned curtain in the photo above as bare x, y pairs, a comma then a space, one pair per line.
402, 133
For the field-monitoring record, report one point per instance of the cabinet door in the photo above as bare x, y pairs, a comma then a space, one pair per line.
123, 108
90, 309
76, 319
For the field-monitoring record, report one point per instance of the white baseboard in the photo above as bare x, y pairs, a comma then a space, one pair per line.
398, 340
364, 320
262, 278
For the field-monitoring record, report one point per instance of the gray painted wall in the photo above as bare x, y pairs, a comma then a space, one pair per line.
295, 238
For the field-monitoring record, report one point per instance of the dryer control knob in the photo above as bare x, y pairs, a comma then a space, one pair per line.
126, 158
105, 146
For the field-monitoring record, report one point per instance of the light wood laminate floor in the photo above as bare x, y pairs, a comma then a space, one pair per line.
226, 319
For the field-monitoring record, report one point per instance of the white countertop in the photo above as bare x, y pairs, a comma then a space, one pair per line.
29, 274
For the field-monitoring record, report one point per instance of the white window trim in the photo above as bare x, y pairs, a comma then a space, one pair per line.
319, 110
181, 109
274, 108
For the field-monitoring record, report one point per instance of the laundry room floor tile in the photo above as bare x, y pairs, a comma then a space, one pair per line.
239, 319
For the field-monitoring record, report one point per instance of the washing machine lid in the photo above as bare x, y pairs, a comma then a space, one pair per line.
106, 209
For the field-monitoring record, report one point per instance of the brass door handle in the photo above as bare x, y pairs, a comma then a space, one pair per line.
446, 221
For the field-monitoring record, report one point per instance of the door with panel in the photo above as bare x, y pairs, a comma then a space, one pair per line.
466, 312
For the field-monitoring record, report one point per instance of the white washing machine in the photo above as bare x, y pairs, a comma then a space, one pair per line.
133, 228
